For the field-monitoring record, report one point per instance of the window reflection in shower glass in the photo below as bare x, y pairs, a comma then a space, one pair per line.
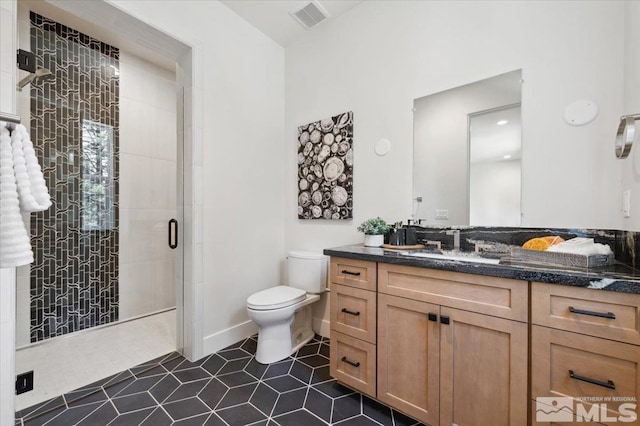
98, 207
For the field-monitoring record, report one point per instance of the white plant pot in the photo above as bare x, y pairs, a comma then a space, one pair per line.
373, 240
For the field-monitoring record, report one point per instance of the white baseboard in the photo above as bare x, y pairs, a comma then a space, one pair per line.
220, 340
321, 326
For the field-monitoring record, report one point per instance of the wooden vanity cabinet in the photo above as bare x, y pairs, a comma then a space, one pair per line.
449, 348
352, 313
449, 366
585, 343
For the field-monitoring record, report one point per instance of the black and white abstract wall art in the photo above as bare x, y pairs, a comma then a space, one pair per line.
325, 168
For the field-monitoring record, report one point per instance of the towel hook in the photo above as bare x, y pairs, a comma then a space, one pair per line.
10, 119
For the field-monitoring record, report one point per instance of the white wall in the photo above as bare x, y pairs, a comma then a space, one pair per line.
148, 148
23, 273
494, 193
380, 56
236, 202
630, 167
8, 31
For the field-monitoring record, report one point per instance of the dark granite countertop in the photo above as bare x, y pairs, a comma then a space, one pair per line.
617, 277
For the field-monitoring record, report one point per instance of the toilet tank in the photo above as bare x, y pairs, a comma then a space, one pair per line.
307, 271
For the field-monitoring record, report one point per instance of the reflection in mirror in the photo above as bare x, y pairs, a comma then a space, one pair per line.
495, 151
441, 153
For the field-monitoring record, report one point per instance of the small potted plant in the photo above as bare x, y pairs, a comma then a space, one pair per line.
374, 230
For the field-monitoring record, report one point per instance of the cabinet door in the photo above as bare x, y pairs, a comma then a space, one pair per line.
483, 370
409, 356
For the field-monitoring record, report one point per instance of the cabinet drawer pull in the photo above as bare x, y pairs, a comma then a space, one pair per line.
346, 311
608, 384
444, 319
355, 364
432, 316
357, 274
609, 315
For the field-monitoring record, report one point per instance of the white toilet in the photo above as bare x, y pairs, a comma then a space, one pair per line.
283, 313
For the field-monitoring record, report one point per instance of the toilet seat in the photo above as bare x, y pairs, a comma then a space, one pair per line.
275, 298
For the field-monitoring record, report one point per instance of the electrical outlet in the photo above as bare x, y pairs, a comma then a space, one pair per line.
626, 203
442, 214
24, 382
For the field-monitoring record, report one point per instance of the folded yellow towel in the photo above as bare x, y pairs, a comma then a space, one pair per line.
542, 243
539, 244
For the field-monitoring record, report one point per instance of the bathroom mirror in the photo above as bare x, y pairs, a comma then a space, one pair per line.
467, 154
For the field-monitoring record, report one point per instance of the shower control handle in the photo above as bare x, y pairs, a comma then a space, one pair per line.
173, 234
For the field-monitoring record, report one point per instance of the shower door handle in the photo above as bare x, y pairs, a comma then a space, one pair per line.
173, 234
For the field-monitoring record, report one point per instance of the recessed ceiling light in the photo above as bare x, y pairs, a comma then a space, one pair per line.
502, 122
506, 157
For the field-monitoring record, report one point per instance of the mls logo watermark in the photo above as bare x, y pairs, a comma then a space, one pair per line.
549, 409
585, 409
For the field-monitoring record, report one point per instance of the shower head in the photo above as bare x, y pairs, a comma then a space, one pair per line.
31, 77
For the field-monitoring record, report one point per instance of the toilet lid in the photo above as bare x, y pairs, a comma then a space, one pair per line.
276, 297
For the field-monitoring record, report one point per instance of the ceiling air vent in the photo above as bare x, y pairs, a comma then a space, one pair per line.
310, 14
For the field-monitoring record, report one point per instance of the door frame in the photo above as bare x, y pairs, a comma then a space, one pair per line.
189, 336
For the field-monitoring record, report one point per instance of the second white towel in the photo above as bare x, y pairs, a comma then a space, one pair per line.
32, 189
15, 247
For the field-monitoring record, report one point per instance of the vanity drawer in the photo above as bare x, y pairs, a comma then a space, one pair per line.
500, 297
353, 312
353, 362
566, 364
599, 313
354, 273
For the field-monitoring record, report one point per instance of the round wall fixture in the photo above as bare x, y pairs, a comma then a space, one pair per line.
383, 146
580, 113
625, 135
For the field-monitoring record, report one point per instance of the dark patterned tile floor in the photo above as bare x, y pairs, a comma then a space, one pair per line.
228, 388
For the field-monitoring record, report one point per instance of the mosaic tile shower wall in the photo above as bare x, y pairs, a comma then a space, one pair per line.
74, 127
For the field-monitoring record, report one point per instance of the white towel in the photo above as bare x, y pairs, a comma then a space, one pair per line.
32, 189
15, 247
583, 246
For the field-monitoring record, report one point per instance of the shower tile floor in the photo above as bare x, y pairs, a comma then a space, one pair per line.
226, 388
66, 363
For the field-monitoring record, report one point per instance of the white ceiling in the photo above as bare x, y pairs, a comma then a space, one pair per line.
115, 28
273, 19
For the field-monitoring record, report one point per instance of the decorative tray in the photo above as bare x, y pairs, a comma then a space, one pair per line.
562, 259
392, 247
